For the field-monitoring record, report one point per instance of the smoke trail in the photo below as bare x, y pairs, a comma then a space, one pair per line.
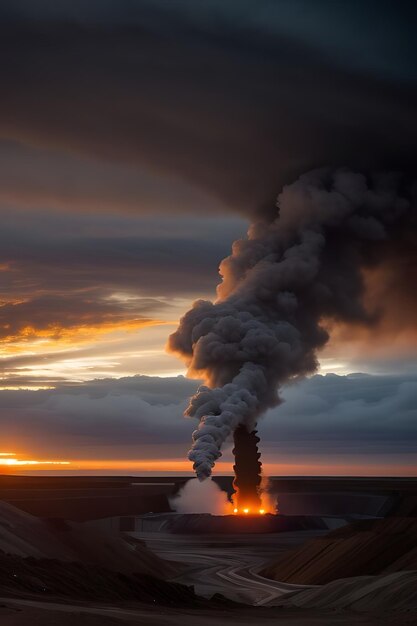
278, 286
193, 498
247, 468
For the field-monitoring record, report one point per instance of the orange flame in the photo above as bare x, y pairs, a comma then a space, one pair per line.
268, 505
264, 503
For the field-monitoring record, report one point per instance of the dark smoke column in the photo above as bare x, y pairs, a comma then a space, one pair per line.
278, 286
247, 468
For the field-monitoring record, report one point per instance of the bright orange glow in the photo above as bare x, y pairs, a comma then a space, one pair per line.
247, 510
30, 336
8, 459
76, 351
262, 501
181, 466
135, 465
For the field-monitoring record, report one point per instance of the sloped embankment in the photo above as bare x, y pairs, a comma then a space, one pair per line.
56, 558
79, 581
367, 547
388, 592
24, 535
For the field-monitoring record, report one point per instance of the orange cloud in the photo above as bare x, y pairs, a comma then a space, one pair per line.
392, 303
81, 333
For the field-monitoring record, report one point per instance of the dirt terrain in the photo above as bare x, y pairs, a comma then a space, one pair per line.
23, 535
101, 572
36, 613
366, 547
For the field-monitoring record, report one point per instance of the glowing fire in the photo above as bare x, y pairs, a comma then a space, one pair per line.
266, 503
262, 503
249, 511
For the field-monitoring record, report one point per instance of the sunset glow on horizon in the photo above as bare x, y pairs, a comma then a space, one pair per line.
9, 459
182, 466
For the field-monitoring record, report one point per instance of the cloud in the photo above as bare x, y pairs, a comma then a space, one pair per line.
61, 254
113, 112
70, 279
232, 101
362, 416
68, 317
353, 412
111, 418
37, 178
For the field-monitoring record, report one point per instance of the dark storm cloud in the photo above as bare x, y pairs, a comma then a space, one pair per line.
142, 416
42, 254
61, 274
36, 178
233, 98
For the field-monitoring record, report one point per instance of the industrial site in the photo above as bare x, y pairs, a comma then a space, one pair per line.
112, 550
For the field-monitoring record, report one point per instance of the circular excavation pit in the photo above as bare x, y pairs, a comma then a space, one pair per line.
206, 524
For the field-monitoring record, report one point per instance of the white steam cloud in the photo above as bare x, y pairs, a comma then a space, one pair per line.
195, 497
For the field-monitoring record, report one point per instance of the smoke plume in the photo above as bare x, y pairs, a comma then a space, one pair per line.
195, 498
279, 287
247, 468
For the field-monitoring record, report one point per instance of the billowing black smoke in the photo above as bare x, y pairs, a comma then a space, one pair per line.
247, 468
278, 286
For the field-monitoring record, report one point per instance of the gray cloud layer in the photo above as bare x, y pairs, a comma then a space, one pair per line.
143, 255
140, 417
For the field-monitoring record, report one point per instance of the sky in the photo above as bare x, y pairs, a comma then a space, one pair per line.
138, 140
